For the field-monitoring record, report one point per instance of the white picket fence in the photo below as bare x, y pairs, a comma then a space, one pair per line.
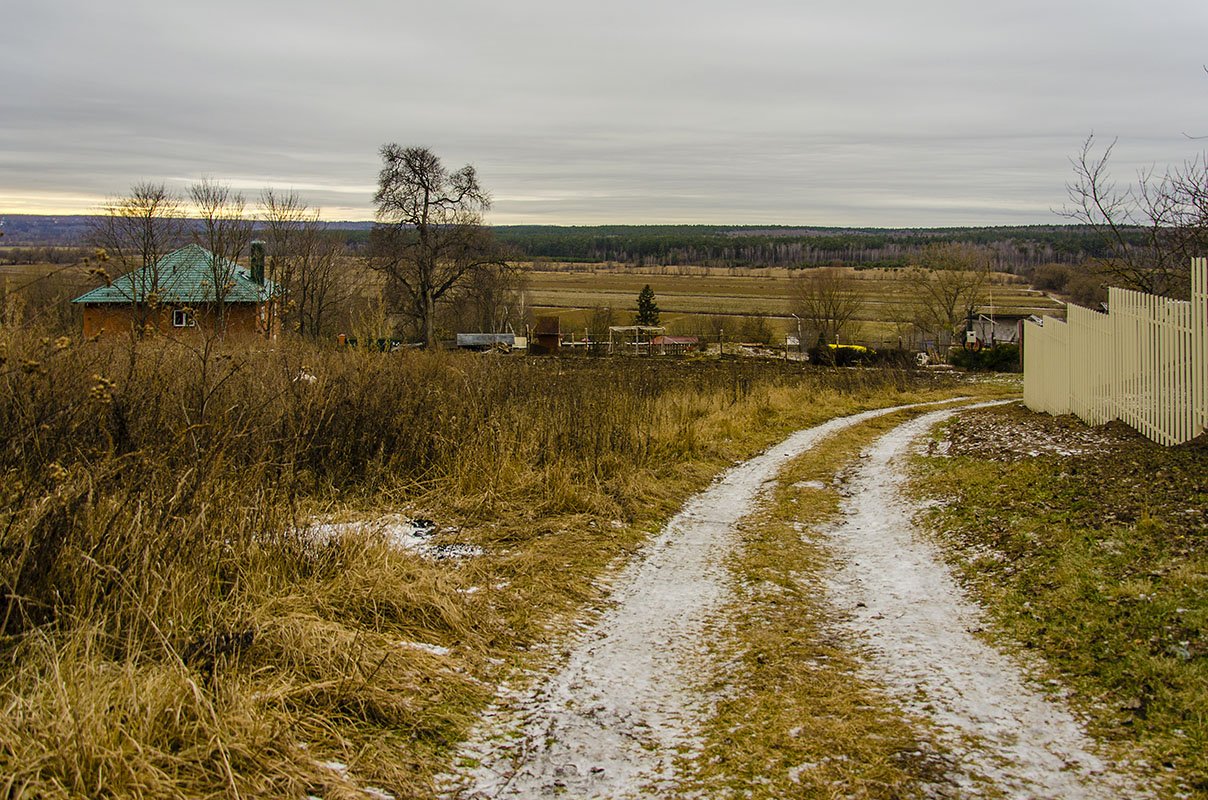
1145, 362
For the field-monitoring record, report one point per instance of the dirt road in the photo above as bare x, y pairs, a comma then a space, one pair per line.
612, 719
898, 598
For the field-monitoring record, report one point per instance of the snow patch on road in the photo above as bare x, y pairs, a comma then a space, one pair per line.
613, 720
918, 627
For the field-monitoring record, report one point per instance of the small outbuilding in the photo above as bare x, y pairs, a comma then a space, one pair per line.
674, 345
1002, 328
547, 336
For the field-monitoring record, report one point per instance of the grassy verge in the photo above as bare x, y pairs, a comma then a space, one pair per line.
1089, 547
797, 718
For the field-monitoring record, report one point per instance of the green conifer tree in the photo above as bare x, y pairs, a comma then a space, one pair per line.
648, 310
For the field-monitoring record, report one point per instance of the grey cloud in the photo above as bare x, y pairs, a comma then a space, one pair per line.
872, 112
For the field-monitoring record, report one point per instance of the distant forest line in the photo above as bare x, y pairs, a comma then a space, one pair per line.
1016, 249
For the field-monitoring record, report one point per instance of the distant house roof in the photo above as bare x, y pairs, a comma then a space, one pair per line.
184, 276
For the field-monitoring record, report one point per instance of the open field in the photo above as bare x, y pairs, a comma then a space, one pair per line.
688, 295
43, 292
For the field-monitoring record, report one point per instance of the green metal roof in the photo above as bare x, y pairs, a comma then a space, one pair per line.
184, 277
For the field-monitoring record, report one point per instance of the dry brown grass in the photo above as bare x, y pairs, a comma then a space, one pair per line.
169, 632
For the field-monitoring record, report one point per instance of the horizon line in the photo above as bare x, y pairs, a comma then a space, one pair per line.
630, 224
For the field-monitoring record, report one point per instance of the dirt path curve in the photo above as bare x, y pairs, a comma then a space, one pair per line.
905, 605
612, 720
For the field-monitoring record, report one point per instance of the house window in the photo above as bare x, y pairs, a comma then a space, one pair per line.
183, 318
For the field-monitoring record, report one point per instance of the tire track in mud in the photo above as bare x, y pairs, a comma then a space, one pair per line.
612, 721
901, 601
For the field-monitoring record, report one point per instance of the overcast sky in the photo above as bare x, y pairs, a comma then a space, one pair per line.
803, 112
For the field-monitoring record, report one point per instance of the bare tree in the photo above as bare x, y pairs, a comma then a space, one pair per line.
599, 320
1151, 229
429, 237
321, 289
493, 298
754, 329
225, 231
902, 312
133, 233
302, 261
947, 287
713, 327
284, 217
827, 303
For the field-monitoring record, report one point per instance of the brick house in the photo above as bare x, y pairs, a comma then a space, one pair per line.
176, 294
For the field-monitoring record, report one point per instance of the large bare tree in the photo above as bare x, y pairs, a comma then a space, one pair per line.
1150, 229
827, 302
429, 235
134, 232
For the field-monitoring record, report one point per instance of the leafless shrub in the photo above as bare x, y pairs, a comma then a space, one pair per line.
1150, 229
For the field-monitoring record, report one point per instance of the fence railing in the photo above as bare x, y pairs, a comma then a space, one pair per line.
1145, 362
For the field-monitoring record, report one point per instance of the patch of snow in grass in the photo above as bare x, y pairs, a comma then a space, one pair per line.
398, 532
434, 649
809, 485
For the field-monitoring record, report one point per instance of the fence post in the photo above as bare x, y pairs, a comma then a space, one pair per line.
1199, 343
